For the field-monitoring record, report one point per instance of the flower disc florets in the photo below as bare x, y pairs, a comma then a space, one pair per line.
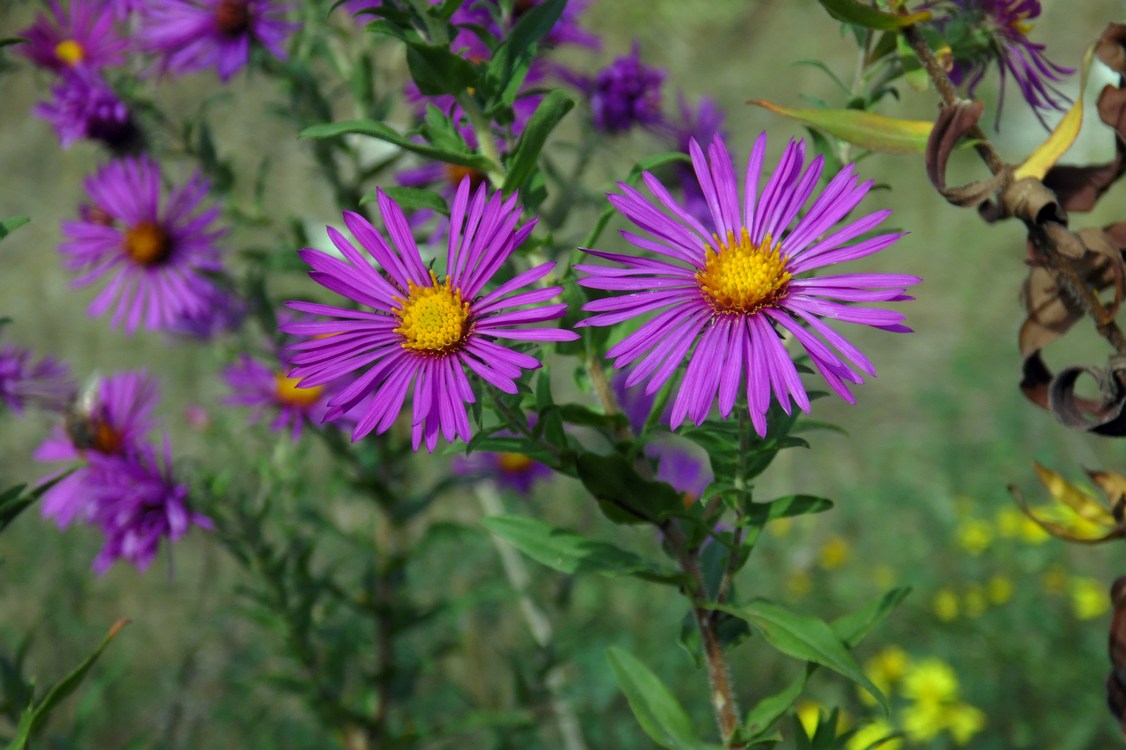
740, 276
433, 319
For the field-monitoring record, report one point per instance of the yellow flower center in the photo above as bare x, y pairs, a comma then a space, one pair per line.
70, 52
1021, 24
287, 391
88, 433
740, 277
513, 463
147, 244
455, 173
433, 319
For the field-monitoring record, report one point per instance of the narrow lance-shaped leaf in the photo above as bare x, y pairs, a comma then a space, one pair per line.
412, 199
861, 14
866, 129
385, 133
547, 115
32, 719
804, 637
1066, 131
572, 553
11, 224
656, 708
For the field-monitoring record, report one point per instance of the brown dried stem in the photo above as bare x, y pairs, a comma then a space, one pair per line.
1038, 233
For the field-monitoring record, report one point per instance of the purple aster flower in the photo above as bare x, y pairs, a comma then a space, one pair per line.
224, 312
1007, 24
512, 471
703, 124
676, 466
79, 35
192, 35
110, 420
421, 332
85, 106
271, 391
137, 502
46, 383
624, 94
156, 257
725, 294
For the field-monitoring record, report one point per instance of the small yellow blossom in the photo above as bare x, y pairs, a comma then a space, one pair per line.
884, 669
930, 681
963, 721
870, 734
834, 552
1088, 598
1055, 580
1012, 524
945, 604
974, 600
884, 576
923, 721
799, 583
999, 589
975, 535
781, 527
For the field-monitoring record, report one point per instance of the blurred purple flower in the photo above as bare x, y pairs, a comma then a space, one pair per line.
270, 391
156, 258
419, 334
719, 293
111, 419
624, 94
85, 106
686, 472
224, 312
703, 124
81, 34
1008, 23
191, 35
512, 471
46, 384
137, 503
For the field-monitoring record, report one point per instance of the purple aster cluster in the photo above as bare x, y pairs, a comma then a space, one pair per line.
85, 107
45, 383
725, 295
155, 255
623, 95
1007, 24
118, 481
420, 332
510, 471
190, 35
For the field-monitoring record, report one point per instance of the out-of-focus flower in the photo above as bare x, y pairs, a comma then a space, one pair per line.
1012, 524
80, 34
1055, 580
974, 600
982, 32
974, 535
623, 95
945, 604
868, 735
110, 419
703, 124
512, 471
137, 503
930, 681
224, 312
270, 391
686, 472
192, 35
421, 333
86, 107
45, 383
963, 722
726, 292
886, 668
1089, 598
833, 553
1078, 516
155, 257
999, 589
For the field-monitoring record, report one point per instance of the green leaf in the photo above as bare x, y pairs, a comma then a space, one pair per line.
384, 133
866, 129
34, 716
11, 224
438, 71
13, 502
10, 40
510, 62
804, 637
850, 629
624, 495
412, 199
572, 553
656, 708
547, 115
854, 12
786, 507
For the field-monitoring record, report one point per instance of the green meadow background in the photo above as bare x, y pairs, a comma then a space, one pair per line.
920, 481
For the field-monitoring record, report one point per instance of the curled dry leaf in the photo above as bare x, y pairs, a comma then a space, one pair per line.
954, 123
1076, 516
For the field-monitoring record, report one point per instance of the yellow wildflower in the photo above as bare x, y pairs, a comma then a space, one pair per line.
999, 589
1088, 598
975, 535
1012, 524
964, 721
883, 576
870, 734
945, 604
799, 583
923, 721
974, 601
1086, 518
834, 552
1055, 580
930, 681
780, 527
